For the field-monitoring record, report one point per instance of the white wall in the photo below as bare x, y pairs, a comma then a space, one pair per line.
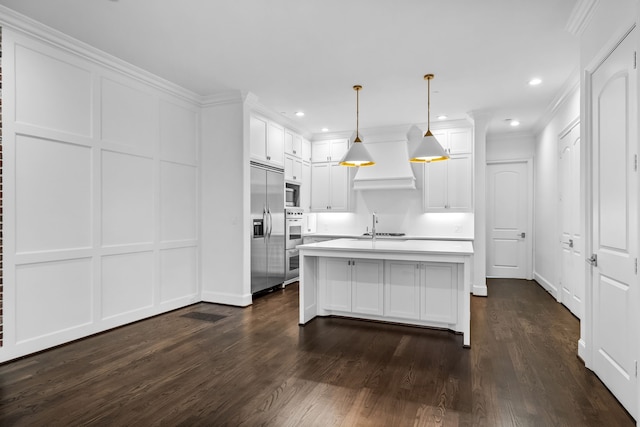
101, 193
546, 267
226, 263
514, 146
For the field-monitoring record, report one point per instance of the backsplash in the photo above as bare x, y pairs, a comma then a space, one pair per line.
399, 211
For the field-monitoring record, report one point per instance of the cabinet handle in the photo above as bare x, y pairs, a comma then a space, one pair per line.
294, 152
268, 157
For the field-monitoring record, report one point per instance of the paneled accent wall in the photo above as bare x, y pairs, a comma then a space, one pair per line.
102, 188
1, 222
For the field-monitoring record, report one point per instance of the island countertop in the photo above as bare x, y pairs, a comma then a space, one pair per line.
399, 246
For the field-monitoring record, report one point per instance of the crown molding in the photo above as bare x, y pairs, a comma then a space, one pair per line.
224, 98
571, 86
28, 27
580, 16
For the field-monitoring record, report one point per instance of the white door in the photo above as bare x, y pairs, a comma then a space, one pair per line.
508, 238
614, 237
571, 242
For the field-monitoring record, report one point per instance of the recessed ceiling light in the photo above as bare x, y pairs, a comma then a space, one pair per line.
514, 122
442, 117
535, 82
325, 129
299, 113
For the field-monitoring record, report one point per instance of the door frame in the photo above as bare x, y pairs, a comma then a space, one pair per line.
585, 343
575, 122
529, 243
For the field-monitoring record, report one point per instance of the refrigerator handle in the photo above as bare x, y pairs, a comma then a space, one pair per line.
265, 234
270, 222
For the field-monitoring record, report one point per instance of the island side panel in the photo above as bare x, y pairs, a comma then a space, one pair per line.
308, 285
466, 298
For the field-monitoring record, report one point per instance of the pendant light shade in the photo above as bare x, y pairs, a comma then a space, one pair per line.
429, 149
357, 155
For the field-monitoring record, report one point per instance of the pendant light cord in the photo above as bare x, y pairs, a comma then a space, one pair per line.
357, 114
428, 105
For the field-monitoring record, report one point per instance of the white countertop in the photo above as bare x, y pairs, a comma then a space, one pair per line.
406, 237
396, 245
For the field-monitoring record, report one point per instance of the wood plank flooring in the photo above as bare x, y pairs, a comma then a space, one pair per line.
256, 366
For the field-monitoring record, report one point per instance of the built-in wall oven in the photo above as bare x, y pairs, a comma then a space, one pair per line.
293, 237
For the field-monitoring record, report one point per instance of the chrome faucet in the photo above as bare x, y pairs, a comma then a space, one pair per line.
373, 228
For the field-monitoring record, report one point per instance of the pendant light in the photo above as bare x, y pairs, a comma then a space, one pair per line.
429, 149
357, 155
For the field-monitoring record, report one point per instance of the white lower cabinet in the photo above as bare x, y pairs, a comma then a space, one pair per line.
421, 291
439, 302
351, 285
402, 290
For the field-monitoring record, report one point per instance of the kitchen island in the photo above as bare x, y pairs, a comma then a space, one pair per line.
415, 282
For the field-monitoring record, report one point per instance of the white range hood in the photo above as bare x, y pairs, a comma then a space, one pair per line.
391, 171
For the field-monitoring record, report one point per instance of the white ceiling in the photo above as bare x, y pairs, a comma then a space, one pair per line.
305, 55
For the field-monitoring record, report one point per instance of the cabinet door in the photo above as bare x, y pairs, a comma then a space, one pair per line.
335, 274
339, 188
289, 167
367, 286
320, 186
460, 141
459, 183
435, 186
306, 150
288, 142
321, 151
402, 289
297, 169
439, 293
338, 148
297, 145
275, 144
258, 138
305, 187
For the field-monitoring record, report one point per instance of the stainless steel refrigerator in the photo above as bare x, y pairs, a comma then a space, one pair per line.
267, 220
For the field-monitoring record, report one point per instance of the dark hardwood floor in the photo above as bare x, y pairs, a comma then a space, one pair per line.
256, 366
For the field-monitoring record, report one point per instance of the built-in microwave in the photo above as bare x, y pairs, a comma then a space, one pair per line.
291, 195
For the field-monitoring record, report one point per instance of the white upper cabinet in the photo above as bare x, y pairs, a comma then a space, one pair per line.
448, 186
306, 150
275, 144
455, 141
292, 168
292, 143
266, 140
305, 188
331, 150
329, 187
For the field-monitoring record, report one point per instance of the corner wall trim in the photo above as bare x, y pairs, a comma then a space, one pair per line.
228, 299
546, 285
479, 290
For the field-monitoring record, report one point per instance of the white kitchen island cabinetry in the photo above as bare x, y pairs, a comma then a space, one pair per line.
416, 282
351, 285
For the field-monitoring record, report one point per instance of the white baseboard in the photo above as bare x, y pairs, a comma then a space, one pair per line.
226, 298
547, 285
582, 352
479, 290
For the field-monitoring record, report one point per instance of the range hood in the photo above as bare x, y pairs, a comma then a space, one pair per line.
391, 171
